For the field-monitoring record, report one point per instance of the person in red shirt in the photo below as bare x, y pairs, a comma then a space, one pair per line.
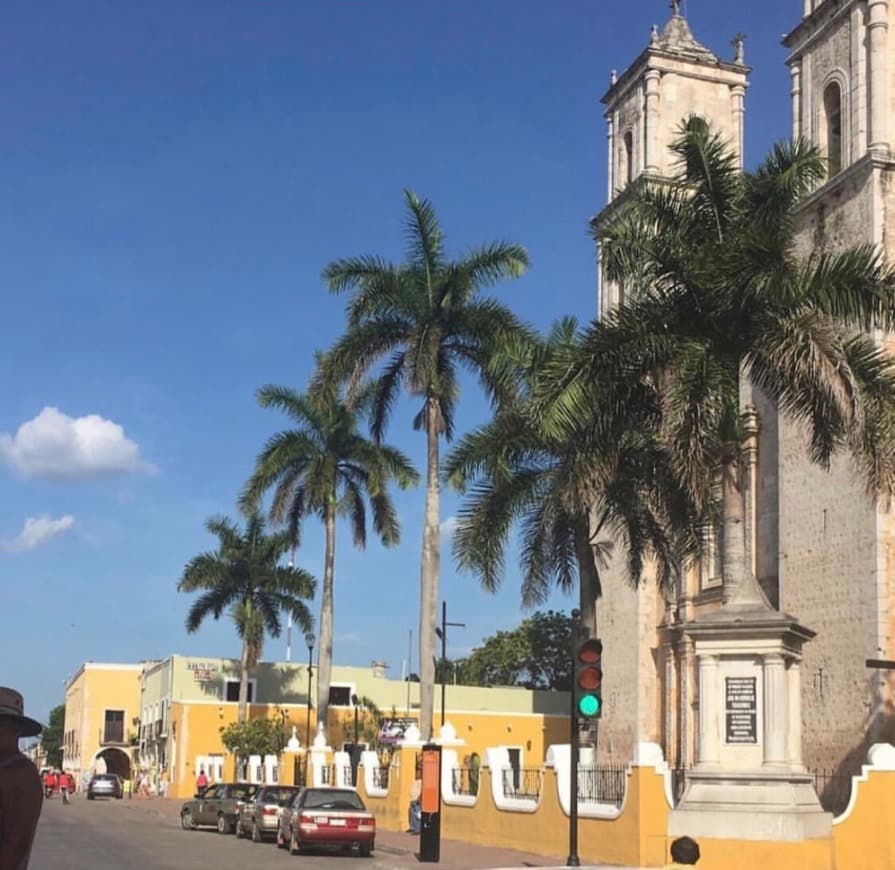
48, 783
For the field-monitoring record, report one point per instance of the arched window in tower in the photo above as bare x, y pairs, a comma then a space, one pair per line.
833, 116
628, 158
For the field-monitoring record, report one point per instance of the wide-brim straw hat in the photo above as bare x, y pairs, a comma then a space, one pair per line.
12, 707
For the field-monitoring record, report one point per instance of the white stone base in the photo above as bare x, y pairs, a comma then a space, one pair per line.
751, 805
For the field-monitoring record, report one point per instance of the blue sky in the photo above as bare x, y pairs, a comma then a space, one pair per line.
176, 174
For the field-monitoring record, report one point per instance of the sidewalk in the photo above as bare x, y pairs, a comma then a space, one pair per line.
454, 854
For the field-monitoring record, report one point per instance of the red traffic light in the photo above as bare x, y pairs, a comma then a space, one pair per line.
590, 651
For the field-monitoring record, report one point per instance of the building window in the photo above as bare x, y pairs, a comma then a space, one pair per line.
231, 690
833, 116
711, 564
113, 728
627, 168
340, 696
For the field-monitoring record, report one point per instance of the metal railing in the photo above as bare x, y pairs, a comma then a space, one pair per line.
380, 776
465, 781
327, 774
524, 784
603, 784
833, 789
348, 775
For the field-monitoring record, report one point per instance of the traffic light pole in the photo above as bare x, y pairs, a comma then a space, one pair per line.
574, 737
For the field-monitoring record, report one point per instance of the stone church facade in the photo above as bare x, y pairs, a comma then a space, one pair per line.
822, 549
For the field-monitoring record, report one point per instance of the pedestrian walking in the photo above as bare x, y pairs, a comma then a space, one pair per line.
201, 781
21, 792
64, 786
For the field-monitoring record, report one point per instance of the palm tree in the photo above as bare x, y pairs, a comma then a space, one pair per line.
717, 292
566, 497
326, 467
244, 576
426, 320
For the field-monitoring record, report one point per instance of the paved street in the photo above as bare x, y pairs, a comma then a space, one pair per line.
147, 834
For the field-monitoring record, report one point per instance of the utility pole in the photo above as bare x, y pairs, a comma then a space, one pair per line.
442, 633
574, 738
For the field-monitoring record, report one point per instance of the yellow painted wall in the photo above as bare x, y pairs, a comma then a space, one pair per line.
636, 837
93, 690
195, 731
865, 839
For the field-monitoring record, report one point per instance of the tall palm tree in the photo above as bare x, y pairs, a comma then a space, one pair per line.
425, 319
718, 292
244, 575
566, 497
325, 467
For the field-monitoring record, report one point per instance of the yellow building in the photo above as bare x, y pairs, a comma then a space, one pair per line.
102, 703
185, 702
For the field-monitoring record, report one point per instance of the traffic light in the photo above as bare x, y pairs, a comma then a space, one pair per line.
588, 678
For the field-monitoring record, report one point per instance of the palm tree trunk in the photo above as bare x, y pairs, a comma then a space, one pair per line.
429, 573
733, 510
588, 577
243, 710
325, 654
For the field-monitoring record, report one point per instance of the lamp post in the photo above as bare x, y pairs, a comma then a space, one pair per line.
310, 640
442, 633
355, 753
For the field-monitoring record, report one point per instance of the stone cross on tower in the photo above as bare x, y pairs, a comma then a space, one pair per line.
675, 8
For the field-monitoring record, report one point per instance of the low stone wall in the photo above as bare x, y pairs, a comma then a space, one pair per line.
635, 833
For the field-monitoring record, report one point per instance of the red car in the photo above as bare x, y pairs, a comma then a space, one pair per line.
327, 817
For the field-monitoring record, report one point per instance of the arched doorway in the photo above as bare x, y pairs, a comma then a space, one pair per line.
115, 760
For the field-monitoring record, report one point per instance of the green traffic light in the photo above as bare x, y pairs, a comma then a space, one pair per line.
589, 705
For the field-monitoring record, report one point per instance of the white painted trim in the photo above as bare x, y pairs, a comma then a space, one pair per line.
368, 761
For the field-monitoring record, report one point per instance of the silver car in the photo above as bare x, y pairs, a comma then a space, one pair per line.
259, 817
105, 785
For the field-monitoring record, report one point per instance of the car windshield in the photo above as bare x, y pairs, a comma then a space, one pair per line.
332, 799
279, 796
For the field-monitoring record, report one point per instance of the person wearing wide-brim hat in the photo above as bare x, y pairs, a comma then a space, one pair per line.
21, 793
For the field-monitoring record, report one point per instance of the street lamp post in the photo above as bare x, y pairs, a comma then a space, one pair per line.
442, 633
310, 640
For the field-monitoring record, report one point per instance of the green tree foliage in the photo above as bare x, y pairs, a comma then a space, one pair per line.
536, 655
715, 289
244, 576
324, 467
51, 737
424, 320
256, 736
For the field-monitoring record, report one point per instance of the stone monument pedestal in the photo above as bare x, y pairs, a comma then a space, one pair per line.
749, 782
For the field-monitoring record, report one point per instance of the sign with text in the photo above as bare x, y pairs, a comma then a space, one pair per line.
741, 710
203, 672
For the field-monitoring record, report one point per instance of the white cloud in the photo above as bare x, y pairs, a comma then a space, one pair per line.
448, 527
36, 532
56, 446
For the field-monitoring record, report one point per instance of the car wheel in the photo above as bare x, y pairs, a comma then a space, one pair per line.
90, 797
186, 820
294, 847
240, 833
223, 827
256, 833
365, 850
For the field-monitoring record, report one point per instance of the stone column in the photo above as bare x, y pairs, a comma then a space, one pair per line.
796, 94
750, 483
738, 108
708, 750
807, 7
610, 151
794, 709
651, 163
774, 702
877, 37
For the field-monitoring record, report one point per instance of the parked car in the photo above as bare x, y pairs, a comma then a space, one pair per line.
260, 816
104, 785
216, 806
329, 817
